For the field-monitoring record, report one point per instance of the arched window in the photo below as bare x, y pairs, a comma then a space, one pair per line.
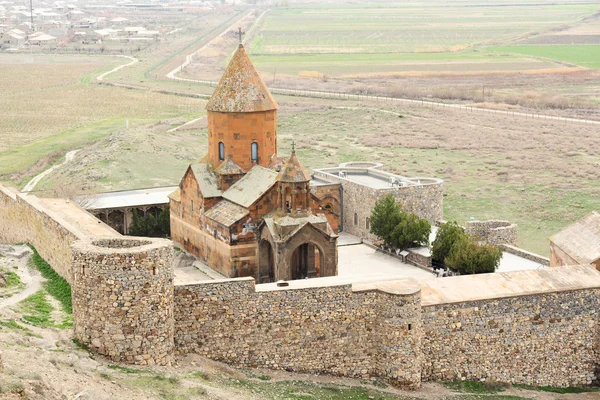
221, 151
254, 151
368, 223
355, 219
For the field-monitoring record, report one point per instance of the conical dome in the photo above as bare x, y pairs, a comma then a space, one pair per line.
293, 171
241, 89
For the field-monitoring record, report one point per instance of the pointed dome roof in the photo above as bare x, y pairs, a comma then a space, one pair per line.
229, 167
241, 89
293, 170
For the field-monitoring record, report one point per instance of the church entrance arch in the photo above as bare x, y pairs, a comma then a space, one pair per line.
306, 261
266, 262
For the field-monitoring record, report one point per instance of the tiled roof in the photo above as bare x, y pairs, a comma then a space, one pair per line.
229, 167
293, 171
251, 187
207, 180
581, 240
241, 89
226, 213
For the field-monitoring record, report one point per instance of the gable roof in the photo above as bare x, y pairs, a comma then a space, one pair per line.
581, 240
207, 181
293, 171
251, 187
226, 213
229, 167
241, 89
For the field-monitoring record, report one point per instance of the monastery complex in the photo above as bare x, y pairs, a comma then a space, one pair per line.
257, 218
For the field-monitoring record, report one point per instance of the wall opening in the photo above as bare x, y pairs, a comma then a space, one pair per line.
254, 151
306, 262
221, 151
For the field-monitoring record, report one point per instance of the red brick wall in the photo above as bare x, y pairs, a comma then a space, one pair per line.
237, 131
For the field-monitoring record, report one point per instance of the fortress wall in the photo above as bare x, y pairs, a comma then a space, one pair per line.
25, 219
545, 339
493, 232
123, 298
335, 329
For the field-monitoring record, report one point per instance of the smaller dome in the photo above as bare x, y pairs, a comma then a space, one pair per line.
293, 171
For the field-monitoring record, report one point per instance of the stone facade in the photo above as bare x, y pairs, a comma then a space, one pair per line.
358, 200
546, 339
493, 232
123, 298
336, 329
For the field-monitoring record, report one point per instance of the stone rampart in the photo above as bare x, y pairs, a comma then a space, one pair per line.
340, 329
123, 298
493, 232
25, 219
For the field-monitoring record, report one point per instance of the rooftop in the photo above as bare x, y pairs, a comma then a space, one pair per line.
581, 240
226, 213
127, 198
251, 187
207, 181
241, 89
369, 175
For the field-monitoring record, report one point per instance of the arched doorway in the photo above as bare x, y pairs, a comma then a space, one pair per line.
266, 262
306, 261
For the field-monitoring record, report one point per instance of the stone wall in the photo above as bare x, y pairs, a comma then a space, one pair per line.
546, 339
24, 219
123, 298
333, 328
493, 232
527, 254
358, 201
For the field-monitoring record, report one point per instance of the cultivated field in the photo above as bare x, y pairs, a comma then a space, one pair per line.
49, 107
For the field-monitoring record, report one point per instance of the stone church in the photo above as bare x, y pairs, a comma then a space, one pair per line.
243, 210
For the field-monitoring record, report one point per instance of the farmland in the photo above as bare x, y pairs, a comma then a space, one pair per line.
584, 55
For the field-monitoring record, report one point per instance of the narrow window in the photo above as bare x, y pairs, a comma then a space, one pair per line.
254, 152
355, 219
192, 206
221, 151
368, 223
409, 327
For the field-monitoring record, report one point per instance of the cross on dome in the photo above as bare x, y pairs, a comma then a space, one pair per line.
240, 34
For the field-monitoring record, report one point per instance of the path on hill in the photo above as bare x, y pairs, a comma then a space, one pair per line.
115, 69
70, 156
18, 256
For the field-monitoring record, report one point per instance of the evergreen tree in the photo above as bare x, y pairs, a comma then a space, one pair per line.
447, 235
411, 231
386, 215
151, 225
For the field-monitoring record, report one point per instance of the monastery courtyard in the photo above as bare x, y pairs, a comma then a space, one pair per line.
357, 261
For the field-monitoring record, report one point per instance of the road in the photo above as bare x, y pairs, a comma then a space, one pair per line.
70, 156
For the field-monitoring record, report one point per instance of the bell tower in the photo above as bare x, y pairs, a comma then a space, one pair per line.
242, 117
294, 186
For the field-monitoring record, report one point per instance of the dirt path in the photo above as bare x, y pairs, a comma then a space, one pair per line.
104, 75
70, 156
19, 256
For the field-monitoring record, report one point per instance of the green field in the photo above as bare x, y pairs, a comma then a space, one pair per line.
405, 27
585, 56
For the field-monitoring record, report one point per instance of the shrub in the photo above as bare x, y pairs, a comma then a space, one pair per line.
469, 257
447, 235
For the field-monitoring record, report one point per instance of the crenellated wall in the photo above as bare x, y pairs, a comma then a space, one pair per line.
340, 329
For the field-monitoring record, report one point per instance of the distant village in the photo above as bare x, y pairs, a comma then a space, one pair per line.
93, 27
